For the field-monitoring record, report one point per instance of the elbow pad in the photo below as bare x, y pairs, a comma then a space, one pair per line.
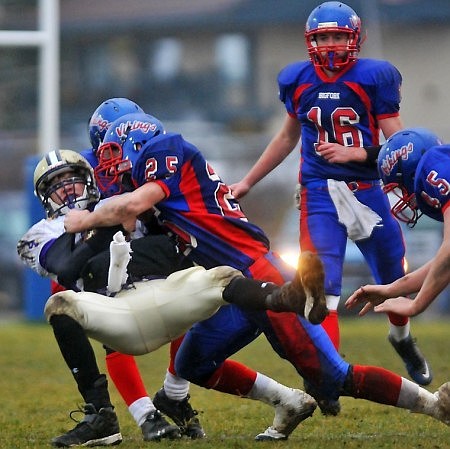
66, 261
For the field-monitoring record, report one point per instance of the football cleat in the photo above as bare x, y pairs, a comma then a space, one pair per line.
305, 294
310, 273
443, 403
328, 406
271, 434
155, 427
182, 414
415, 362
98, 428
291, 408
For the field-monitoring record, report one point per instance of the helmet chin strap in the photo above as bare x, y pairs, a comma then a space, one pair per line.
330, 56
71, 202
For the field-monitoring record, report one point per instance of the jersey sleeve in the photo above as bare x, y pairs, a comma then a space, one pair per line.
160, 160
388, 95
287, 84
34, 242
432, 182
90, 156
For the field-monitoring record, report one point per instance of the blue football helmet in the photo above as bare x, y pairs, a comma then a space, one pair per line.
120, 149
105, 114
397, 163
334, 17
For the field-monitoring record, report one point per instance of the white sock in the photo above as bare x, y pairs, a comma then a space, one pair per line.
266, 389
332, 302
287, 402
140, 408
399, 332
175, 387
425, 402
261, 385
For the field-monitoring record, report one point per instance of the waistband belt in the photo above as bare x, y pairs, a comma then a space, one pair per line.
354, 186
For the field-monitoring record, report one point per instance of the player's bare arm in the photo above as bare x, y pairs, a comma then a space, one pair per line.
122, 209
340, 154
390, 125
374, 295
428, 280
437, 276
278, 149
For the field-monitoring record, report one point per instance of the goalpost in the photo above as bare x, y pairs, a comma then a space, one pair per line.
46, 39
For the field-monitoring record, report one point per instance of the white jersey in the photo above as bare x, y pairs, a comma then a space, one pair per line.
142, 318
139, 319
32, 243
34, 240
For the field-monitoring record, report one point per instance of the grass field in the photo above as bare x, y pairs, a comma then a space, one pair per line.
37, 392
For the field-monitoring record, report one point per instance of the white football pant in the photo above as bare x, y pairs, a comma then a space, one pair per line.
142, 318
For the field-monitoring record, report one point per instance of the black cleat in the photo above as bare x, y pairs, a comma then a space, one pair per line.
182, 414
415, 362
156, 427
98, 428
327, 405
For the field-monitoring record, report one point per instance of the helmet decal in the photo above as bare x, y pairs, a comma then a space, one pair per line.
123, 128
121, 148
105, 114
388, 163
397, 163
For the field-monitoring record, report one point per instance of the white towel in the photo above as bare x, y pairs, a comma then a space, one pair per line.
358, 218
120, 251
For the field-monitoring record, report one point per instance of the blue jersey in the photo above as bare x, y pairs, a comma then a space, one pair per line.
90, 156
209, 223
199, 207
432, 182
343, 109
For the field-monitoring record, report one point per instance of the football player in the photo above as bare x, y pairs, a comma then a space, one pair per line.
337, 104
64, 180
165, 173
414, 167
173, 398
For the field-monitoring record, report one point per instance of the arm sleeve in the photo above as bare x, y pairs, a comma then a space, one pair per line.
62, 260
67, 260
372, 155
152, 255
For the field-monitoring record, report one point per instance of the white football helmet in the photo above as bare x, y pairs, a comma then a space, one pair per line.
48, 182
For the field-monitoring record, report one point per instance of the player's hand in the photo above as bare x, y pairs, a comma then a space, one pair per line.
339, 154
74, 220
369, 295
239, 189
130, 224
401, 306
